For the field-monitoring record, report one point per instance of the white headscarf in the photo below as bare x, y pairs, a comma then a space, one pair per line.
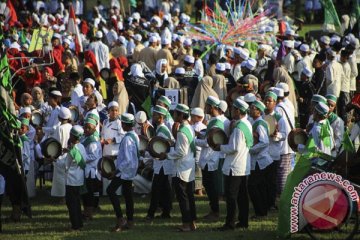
136, 70
159, 64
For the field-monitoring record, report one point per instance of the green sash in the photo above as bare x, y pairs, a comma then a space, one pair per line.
215, 123
247, 133
183, 129
163, 129
136, 142
277, 116
332, 117
168, 116
78, 158
90, 139
23, 139
325, 133
262, 123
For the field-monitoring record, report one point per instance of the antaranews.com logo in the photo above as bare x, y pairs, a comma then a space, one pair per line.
323, 201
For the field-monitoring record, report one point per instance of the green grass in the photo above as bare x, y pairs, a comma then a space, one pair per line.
50, 221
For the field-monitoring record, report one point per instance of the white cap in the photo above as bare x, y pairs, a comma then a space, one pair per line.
325, 40
24, 110
223, 105
165, 41
179, 70
220, 67
56, 93
304, 48
250, 64
136, 15
278, 91
227, 66
140, 117
297, 43
180, 39
113, 104
335, 39
137, 37
249, 97
66, 40
64, 113
57, 35
307, 72
197, 112
242, 52
289, 43
283, 86
122, 39
187, 42
153, 39
90, 81
189, 59
290, 32
99, 34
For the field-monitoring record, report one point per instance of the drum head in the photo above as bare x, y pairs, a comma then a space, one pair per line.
297, 136
158, 145
36, 118
216, 136
271, 121
74, 113
105, 73
51, 148
150, 132
144, 141
107, 167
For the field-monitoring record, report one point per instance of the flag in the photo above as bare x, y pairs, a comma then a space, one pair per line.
146, 105
73, 29
347, 143
13, 17
331, 19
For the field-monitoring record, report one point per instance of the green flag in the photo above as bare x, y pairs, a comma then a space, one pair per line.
146, 105
330, 15
347, 143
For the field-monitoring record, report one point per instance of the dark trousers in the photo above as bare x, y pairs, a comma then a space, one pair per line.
91, 187
128, 196
343, 101
236, 194
209, 181
1, 197
160, 193
185, 195
271, 175
257, 191
72, 197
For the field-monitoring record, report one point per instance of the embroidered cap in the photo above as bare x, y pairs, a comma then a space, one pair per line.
279, 92
249, 97
259, 105
25, 121
127, 118
271, 95
161, 110
331, 97
64, 113
89, 81
56, 93
165, 100
220, 67
213, 101
113, 104
189, 59
140, 117
197, 112
241, 104
179, 70
283, 86
307, 72
77, 131
318, 99
24, 110
322, 108
223, 105
90, 121
182, 108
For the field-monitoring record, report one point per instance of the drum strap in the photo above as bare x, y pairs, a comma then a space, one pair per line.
78, 158
183, 129
136, 142
287, 117
262, 123
247, 133
164, 130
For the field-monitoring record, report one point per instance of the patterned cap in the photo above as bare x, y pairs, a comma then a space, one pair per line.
259, 105
182, 108
165, 100
241, 104
331, 97
213, 101
271, 94
77, 131
322, 109
161, 110
127, 118
318, 99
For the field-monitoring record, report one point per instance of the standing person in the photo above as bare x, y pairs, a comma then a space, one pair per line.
92, 145
305, 91
77, 92
101, 51
53, 120
126, 165
75, 165
62, 134
149, 54
333, 73
111, 136
344, 98
184, 168
161, 189
336, 123
260, 160
236, 167
318, 79
166, 103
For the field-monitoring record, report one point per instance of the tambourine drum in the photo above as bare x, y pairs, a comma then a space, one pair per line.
105, 73
37, 118
51, 148
106, 166
297, 136
144, 141
74, 113
271, 121
158, 145
216, 136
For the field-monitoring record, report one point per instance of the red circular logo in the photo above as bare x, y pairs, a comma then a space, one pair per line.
325, 206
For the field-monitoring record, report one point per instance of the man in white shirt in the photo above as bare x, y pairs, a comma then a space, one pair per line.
344, 98
78, 89
101, 51
289, 60
333, 73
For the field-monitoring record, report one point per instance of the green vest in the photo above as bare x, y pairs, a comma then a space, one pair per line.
247, 133
183, 129
261, 122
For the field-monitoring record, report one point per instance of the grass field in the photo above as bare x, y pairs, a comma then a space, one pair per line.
50, 221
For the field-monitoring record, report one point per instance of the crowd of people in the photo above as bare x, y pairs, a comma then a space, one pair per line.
298, 82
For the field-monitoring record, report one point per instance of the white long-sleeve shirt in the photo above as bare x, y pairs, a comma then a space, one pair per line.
112, 130
127, 161
76, 94
276, 142
354, 72
333, 75
74, 173
285, 148
93, 155
346, 75
167, 165
52, 123
101, 52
